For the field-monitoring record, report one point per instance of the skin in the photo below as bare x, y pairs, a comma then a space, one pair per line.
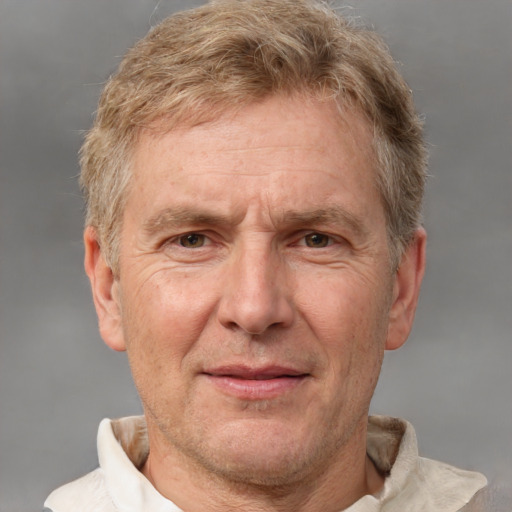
255, 300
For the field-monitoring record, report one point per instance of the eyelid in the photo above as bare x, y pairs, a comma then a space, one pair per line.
175, 239
300, 237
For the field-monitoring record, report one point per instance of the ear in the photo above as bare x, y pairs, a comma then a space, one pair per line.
406, 291
105, 292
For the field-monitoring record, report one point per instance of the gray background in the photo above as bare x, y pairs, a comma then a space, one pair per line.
453, 379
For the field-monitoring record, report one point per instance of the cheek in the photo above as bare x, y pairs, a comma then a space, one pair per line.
342, 300
162, 319
349, 316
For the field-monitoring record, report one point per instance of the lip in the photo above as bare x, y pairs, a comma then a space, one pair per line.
263, 383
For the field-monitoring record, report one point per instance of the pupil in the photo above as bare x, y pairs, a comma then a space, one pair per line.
317, 240
191, 240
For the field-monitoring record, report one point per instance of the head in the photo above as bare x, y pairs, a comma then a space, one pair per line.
228, 54
254, 180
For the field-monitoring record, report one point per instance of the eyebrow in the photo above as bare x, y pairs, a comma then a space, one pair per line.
184, 216
330, 215
175, 217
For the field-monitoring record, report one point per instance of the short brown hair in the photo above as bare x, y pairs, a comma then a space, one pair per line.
229, 53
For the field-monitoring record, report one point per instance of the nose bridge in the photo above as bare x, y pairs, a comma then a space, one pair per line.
256, 295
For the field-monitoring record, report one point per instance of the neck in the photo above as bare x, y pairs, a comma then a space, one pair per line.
344, 480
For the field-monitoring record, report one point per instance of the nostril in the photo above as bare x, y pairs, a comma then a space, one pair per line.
255, 321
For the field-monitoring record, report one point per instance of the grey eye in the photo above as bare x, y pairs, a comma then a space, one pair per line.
317, 240
192, 240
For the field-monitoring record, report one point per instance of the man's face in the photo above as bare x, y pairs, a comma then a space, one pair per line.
255, 288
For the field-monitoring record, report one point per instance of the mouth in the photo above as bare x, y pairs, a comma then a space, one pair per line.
255, 383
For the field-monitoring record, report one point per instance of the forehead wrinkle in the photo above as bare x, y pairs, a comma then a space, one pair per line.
266, 147
261, 172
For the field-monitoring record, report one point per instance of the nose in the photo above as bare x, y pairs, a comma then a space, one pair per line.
255, 294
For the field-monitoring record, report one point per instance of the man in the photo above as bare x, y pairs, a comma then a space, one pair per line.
254, 181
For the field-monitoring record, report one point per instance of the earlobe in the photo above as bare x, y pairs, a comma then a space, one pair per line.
105, 292
406, 291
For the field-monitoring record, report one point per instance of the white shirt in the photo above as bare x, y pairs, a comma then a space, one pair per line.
413, 483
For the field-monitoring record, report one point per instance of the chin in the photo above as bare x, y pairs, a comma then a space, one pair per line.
277, 470
264, 455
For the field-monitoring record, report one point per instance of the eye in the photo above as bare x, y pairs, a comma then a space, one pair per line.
192, 240
317, 240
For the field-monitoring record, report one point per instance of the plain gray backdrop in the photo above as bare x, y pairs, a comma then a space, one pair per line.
453, 379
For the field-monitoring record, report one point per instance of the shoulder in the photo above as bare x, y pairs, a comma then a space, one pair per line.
433, 485
446, 480
86, 494
122, 446
415, 483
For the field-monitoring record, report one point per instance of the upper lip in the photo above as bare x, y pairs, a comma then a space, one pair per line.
254, 373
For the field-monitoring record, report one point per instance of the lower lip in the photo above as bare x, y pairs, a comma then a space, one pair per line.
249, 389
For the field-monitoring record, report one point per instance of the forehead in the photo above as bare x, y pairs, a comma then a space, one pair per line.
277, 151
